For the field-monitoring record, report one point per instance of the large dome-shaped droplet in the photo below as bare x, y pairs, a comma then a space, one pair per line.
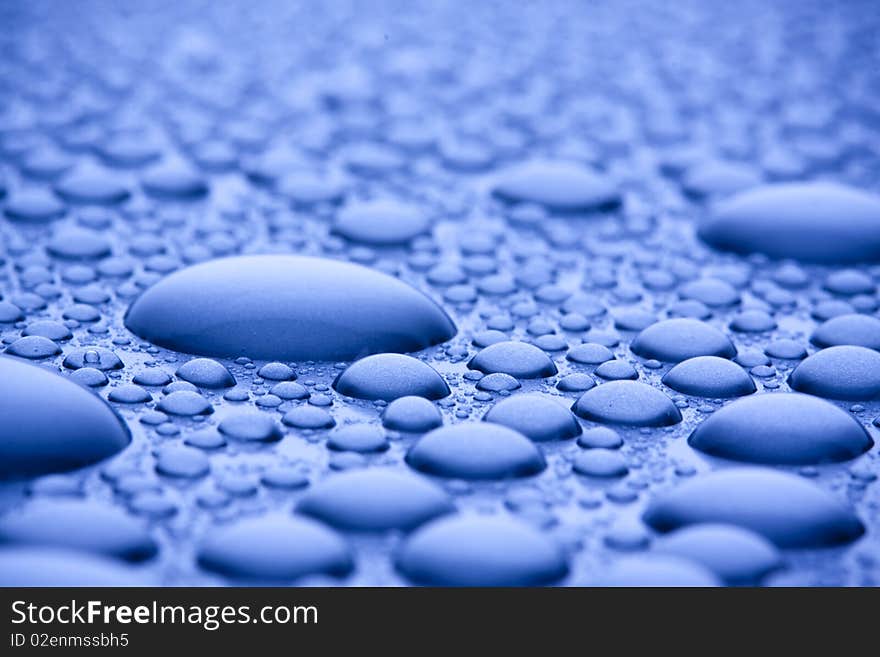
476, 450
518, 359
89, 526
709, 376
675, 340
781, 428
275, 547
536, 416
812, 222
389, 377
472, 550
850, 329
784, 508
375, 500
627, 402
737, 555
286, 308
36, 566
51, 424
657, 570
557, 185
844, 372
381, 222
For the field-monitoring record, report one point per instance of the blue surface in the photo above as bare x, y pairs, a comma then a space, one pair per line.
439, 293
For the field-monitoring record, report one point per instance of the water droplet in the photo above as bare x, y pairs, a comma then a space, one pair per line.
781, 428
476, 450
185, 403
518, 359
736, 555
79, 525
656, 570
627, 402
599, 462
33, 206
96, 357
277, 372
129, 393
206, 373
363, 438
32, 567
784, 508
275, 548
558, 186
172, 181
59, 425
93, 187
380, 222
411, 414
181, 461
308, 417
286, 307
251, 427
845, 372
600, 437
480, 551
856, 330
811, 222
389, 376
33, 347
73, 243
375, 500
709, 376
675, 340
536, 416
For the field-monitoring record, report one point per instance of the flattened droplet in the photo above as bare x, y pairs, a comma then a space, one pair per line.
78, 525
781, 428
476, 450
33, 566
845, 372
308, 417
784, 508
560, 186
33, 347
275, 548
811, 222
74, 243
185, 403
709, 376
658, 570
360, 437
627, 402
857, 330
472, 550
390, 376
536, 416
176, 182
251, 426
282, 307
375, 500
518, 359
206, 373
93, 187
736, 555
599, 462
675, 340
182, 462
411, 414
33, 206
51, 424
381, 222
